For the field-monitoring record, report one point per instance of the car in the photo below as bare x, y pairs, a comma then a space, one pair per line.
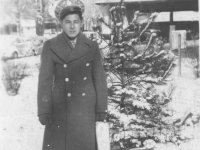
37, 45
9, 52
23, 47
91, 35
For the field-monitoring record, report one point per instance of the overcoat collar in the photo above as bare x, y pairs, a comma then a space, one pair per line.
62, 47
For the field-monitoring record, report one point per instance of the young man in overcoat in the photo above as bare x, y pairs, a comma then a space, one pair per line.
72, 90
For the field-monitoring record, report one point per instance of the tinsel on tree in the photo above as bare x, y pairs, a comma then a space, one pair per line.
138, 115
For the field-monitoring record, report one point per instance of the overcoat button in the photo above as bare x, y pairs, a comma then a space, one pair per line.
83, 94
65, 65
87, 64
66, 79
85, 78
69, 95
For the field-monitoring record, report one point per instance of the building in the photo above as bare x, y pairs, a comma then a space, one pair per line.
177, 14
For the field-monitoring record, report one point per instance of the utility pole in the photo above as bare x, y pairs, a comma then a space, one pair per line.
18, 18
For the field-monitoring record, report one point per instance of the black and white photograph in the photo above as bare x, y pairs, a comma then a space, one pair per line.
99, 75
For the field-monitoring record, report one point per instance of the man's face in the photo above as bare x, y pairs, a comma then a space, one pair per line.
71, 25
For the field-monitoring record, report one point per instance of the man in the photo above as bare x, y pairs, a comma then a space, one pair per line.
72, 91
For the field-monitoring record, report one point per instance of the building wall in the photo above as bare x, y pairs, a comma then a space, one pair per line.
187, 8
91, 8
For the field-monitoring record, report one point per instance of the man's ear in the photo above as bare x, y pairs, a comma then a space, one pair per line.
60, 22
82, 25
82, 22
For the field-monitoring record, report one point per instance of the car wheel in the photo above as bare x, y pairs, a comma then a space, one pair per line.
15, 55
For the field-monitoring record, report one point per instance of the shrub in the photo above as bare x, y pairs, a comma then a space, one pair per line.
13, 75
139, 116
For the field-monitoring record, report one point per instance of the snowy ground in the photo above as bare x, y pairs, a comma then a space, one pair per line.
21, 130
185, 100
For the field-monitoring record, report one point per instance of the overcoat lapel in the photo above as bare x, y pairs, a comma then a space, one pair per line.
60, 47
81, 48
64, 49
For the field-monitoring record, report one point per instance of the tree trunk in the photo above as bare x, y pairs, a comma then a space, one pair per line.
123, 86
19, 27
19, 18
40, 20
39, 26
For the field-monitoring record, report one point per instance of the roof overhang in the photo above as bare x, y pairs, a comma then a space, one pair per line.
126, 1
98, 2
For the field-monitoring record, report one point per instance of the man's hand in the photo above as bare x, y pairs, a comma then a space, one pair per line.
101, 117
45, 119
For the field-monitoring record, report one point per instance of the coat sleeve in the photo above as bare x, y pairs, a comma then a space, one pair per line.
99, 79
45, 81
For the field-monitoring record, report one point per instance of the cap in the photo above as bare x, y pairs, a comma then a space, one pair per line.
68, 10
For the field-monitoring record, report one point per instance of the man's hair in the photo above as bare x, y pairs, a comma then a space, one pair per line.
71, 10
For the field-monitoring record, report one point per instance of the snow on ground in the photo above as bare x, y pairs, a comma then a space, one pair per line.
186, 95
20, 128
185, 100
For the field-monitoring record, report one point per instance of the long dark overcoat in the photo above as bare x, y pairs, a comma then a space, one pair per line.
72, 88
